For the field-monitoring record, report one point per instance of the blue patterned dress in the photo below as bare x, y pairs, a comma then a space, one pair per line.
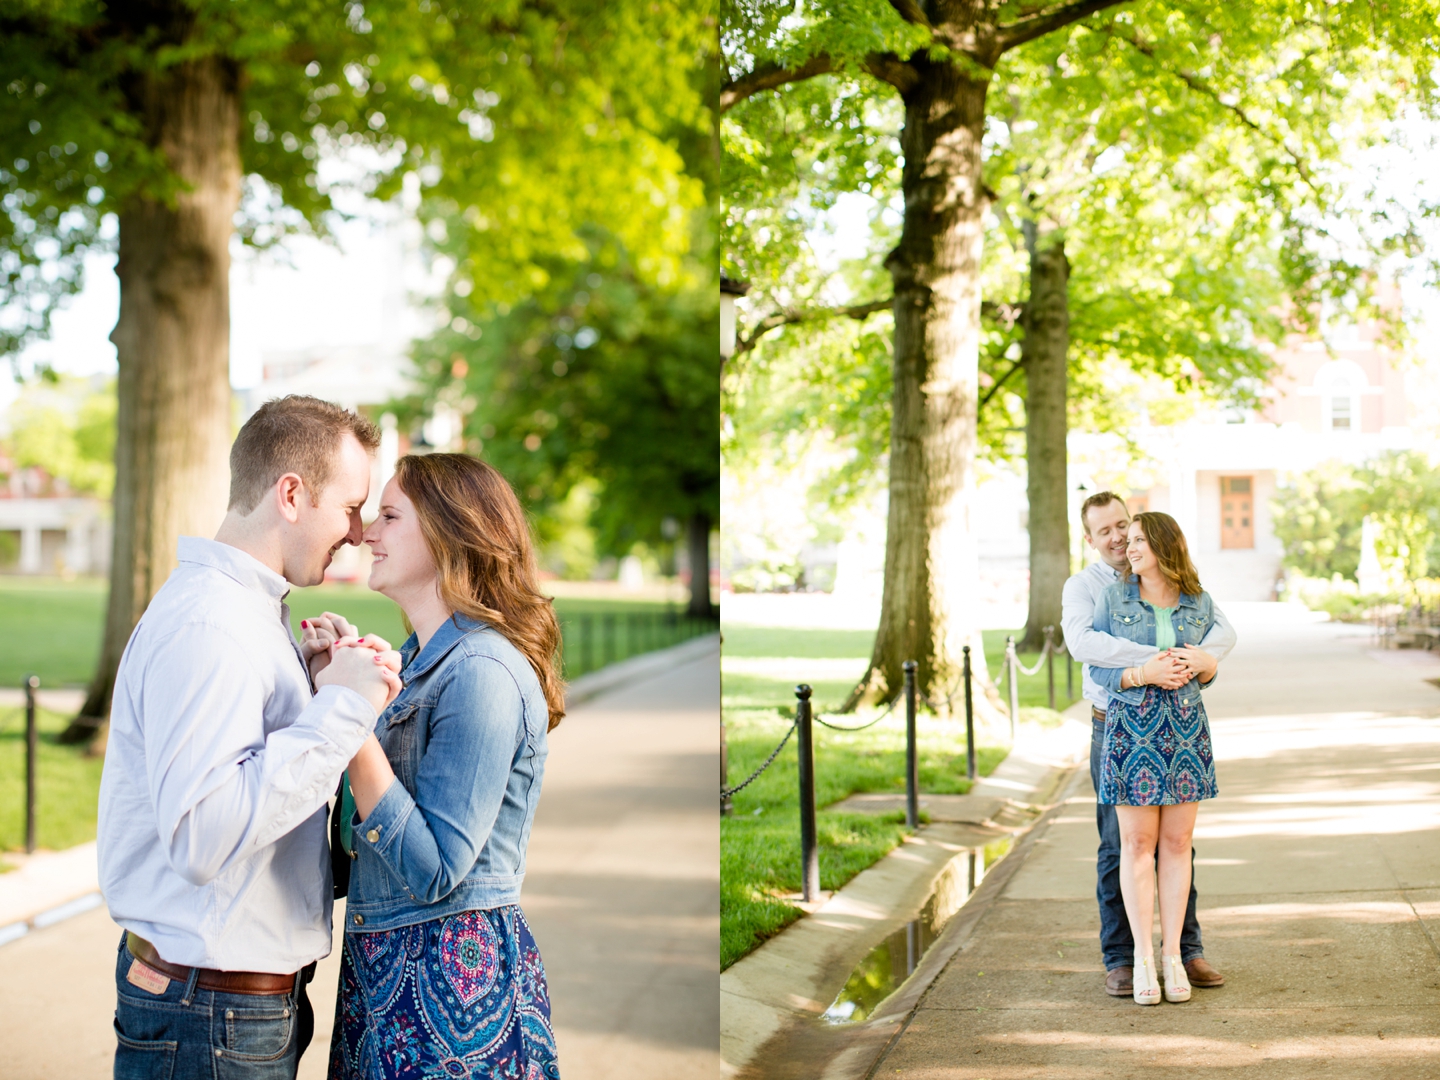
457, 998
1156, 753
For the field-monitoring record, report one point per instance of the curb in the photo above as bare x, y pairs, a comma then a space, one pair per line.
859, 1060
46, 888
16, 930
594, 683
1041, 770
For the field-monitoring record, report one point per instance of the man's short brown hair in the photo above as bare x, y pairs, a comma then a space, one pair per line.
1100, 498
294, 434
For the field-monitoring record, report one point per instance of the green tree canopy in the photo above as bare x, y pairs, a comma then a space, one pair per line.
539, 120
1318, 516
192, 120
65, 426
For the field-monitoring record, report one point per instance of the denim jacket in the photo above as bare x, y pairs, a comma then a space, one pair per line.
466, 738
1122, 614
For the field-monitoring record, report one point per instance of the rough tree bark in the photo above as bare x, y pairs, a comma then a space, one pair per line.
1044, 350
173, 344
928, 607
697, 540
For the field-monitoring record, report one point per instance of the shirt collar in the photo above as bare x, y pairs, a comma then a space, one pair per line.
233, 563
450, 633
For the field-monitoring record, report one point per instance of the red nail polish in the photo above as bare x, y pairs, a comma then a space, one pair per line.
304, 624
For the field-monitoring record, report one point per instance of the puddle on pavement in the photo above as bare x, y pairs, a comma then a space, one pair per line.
891, 962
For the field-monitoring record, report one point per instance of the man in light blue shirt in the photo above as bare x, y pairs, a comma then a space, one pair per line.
222, 756
1106, 520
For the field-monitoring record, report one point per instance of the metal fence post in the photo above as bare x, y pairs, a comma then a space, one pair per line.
1012, 673
587, 643
809, 853
32, 750
725, 805
1050, 662
608, 623
912, 767
969, 721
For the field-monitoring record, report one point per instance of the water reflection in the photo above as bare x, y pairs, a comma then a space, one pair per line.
891, 962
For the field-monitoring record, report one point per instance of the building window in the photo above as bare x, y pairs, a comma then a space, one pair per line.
1237, 512
1341, 417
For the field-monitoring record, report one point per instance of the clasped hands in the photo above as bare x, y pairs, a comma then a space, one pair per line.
1175, 667
337, 655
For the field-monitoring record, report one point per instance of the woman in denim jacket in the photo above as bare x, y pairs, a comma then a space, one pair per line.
440, 975
1156, 761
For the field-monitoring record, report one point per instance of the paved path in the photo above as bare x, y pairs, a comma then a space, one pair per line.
1319, 883
622, 893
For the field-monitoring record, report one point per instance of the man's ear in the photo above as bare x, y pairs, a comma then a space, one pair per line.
289, 490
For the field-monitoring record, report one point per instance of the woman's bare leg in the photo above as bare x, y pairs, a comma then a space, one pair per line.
1139, 831
1177, 828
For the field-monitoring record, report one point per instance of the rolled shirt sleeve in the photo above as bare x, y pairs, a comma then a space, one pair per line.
431, 839
223, 787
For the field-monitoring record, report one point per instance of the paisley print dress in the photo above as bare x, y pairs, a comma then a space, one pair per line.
457, 998
1156, 753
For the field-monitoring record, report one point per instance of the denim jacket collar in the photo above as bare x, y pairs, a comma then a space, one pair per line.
450, 633
1132, 593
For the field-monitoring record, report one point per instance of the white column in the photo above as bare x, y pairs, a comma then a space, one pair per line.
30, 549
77, 546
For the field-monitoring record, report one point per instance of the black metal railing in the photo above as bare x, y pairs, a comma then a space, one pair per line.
596, 640
802, 727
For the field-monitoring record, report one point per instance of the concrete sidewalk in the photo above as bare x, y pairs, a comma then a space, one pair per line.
1318, 873
622, 892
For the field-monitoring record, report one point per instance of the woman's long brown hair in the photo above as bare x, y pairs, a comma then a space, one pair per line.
480, 541
1172, 554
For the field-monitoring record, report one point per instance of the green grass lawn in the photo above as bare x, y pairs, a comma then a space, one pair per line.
67, 783
760, 843
52, 629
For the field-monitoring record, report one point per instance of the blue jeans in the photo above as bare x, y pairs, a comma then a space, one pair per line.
185, 1032
1116, 942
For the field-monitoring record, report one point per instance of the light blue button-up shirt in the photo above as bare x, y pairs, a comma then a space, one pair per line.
218, 769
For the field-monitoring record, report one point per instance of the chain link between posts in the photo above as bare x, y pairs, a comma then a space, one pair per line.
726, 793
861, 727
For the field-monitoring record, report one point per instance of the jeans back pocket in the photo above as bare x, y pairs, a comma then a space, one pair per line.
143, 1059
259, 1032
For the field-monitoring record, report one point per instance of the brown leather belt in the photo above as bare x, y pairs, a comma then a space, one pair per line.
229, 982
1097, 714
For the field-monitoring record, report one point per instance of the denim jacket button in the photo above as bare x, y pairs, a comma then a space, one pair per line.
359, 920
373, 835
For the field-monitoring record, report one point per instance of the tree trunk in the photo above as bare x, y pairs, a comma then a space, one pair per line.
929, 605
173, 342
697, 537
1043, 353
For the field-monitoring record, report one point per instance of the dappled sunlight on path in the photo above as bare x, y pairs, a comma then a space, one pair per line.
1318, 870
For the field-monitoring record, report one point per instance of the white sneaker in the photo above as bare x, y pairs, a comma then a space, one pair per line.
1177, 983
1147, 986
